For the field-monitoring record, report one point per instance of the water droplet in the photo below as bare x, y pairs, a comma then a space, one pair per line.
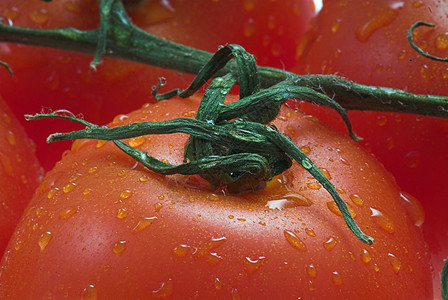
249, 28
336, 278
137, 141
344, 161
181, 250
311, 286
376, 268
383, 17
11, 138
73, 7
119, 119
335, 26
305, 149
326, 173
125, 194
18, 244
288, 200
441, 41
314, 186
332, 206
69, 187
382, 220
381, 120
252, 265
310, 232
294, 240
68, 212
143, 223
119, 247
100, 144
204, 250
235, 294
357, 199
39, 16
395, 262
6, 163
311, 271
165, 290
158, 206
89, 293
306, 164
365, 256
212, 197
11, 13
122, 213
44, 240
412, 159
330, 243
52, 192
414, 209
218, 284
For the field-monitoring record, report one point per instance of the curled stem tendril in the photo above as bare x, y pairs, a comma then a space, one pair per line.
417, 48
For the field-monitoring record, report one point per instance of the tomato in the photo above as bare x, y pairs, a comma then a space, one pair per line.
20, 172
61, 79
103, 226
365, 41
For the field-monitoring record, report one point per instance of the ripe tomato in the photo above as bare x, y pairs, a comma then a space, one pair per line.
103, 226
20, 172
61, 79
366, 41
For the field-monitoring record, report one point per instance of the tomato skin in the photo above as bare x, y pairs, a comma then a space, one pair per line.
20, 172
412, 147
60, 79
103, 226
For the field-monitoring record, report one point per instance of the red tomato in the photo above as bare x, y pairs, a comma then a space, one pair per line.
365, 41
103, 226
20, 172
61, 79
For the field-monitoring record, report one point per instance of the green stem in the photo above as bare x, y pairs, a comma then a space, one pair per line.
125, 41
417, 48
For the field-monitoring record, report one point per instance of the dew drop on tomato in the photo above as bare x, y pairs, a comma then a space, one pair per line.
11, 138
294, 240
310, 232
311, 271
330, 243
165, 290
125, 194
382, 220
143, 223
137, 141
383, 17
252, 265
6, 164
119, 247
333, 207
66, 213
365, 256
395, 262
218, 284
357, 199
336, 278
122, 213
44, 240
158, 206
73, 7
181, 250
89, 293
414, 209
313, 186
